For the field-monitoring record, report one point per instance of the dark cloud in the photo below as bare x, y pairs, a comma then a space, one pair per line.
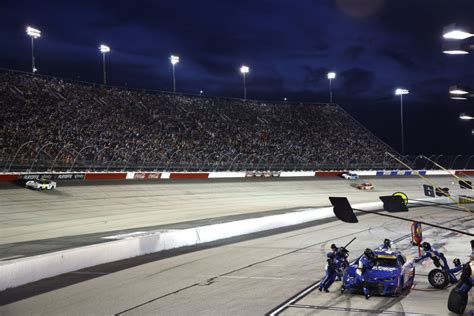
354, 52
357, 80
399, 57
314, 75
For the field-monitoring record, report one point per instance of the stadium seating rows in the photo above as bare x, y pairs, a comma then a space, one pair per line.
64, 120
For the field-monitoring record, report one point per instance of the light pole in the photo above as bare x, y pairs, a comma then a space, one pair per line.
401, 92
104, 49
244, 70
331, 75
33, 33
174, 60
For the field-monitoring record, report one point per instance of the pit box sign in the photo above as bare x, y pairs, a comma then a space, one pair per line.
431, 191
53, 176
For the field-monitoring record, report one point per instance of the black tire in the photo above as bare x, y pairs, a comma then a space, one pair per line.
438, 278
457, 302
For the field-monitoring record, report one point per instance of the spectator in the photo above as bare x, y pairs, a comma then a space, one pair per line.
100, 125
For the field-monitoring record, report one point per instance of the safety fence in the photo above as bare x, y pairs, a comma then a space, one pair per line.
224, 163
31, 157
92, 176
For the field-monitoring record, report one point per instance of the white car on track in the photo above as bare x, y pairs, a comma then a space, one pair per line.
350, 176
41, 184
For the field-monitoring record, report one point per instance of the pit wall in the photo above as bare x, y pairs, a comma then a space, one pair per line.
20, 271
84, 176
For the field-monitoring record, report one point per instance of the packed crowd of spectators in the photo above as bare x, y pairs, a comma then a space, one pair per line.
66, 121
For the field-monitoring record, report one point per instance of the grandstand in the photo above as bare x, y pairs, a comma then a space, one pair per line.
50, 123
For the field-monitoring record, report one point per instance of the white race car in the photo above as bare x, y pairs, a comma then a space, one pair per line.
350, 176
41, 184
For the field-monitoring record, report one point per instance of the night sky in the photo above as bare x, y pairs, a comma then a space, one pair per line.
374, 46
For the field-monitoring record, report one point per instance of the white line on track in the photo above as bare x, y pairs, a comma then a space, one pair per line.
262, 278
294, 299
11, 258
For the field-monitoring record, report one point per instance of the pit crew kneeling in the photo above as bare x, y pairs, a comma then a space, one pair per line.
365, 263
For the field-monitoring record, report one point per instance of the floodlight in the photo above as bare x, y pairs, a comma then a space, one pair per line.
35, 33
244, 69
458, 98
455, 31
400, 91
464, 116
456, 52
455, 48
174, 59
331, 75
104, 49
458, 90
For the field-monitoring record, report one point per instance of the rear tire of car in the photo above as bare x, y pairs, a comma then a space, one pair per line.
438, 278
457, 301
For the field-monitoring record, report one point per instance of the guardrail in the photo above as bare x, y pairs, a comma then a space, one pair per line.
141, 175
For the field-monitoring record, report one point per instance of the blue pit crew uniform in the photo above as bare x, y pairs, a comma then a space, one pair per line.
330, 270
366, 262
452, 271
341, 262
386, 246
434, 254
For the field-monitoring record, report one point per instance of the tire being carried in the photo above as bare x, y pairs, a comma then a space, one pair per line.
457, 301
438, 278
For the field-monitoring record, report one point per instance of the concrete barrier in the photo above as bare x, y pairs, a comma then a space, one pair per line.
21, 271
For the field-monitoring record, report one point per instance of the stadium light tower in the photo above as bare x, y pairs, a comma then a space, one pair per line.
34, 34
104, 49
455, 31
401, 93
331, 76
174, 60
244, 70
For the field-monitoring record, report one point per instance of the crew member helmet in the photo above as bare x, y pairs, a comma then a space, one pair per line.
426, 246
369, 253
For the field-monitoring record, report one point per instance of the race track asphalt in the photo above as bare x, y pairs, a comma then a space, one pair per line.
258, 276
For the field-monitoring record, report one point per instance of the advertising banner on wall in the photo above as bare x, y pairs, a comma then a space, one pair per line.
262, 174
53, 176
147, 175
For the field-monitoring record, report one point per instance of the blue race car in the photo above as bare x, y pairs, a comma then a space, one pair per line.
390, 275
